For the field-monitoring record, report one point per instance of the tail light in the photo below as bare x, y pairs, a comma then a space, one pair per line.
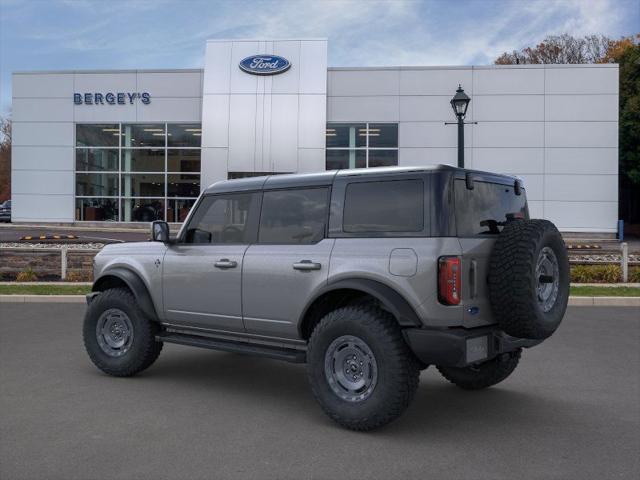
449, 280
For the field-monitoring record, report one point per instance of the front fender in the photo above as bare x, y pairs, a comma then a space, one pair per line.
135, 284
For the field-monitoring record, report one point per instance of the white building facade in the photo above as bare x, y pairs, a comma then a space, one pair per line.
123, 146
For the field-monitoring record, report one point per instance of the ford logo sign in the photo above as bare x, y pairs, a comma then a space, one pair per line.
265, 64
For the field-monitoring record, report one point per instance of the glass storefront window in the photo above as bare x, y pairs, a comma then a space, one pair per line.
178, 209
341, 159
383, 135
184, 135
345, 135
180, 185
126, 172
143, 160
96, 159
142, 185
142, 209
97, 135
96, 185
183, 161
383, 158
96, 209
143, 135
361, 145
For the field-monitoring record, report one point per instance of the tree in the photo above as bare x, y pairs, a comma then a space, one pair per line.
600, 49
5, 159
560, 49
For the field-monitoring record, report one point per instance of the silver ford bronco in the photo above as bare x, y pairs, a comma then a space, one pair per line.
367, 276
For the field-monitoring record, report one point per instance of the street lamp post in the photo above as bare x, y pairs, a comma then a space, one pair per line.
460, 103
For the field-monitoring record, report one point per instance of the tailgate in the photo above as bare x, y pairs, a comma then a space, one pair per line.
475, 288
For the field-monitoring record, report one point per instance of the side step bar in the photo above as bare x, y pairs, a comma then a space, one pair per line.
286, 354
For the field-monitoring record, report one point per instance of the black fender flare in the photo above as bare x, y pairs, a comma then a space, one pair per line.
392, 301
135, 284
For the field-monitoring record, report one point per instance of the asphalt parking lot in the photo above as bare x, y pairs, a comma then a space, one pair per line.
571, 410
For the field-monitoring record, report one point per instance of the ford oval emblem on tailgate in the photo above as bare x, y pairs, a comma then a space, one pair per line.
265, 64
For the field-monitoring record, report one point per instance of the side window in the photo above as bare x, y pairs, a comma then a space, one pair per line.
385, 206
221, 219
296, 216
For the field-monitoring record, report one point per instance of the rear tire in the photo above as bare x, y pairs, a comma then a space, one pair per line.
361, 371
476, 377
119, 338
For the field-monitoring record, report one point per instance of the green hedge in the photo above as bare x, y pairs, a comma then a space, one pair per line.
602, 274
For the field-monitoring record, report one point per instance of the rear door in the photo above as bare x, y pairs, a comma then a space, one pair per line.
289, 261
481, 213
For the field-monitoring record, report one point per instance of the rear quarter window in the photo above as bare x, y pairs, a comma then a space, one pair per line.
485, 209
384, 206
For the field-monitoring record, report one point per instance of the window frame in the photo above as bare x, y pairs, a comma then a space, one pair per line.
338, 204
366, 148
251, 226
325, 233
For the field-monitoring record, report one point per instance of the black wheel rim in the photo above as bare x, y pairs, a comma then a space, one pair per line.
114, 332
547, 279
350, 368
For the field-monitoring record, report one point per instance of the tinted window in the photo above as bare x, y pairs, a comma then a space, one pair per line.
294, 216
103, 135
221, 219
484, 209
389, 206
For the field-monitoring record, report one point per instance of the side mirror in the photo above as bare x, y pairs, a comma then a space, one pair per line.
160, 231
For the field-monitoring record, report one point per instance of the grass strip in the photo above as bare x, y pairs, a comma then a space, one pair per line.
592, 291
53, 289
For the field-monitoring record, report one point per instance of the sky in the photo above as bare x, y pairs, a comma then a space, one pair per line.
129, 34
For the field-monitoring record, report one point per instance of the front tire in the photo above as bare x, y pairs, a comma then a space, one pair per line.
361, 371
487, 374
118, 337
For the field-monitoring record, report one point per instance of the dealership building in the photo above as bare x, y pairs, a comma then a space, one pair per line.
136, 145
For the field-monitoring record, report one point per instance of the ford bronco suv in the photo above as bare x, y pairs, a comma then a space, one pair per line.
367, 276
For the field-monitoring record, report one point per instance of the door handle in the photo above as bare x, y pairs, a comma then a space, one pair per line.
225, 263
306, 265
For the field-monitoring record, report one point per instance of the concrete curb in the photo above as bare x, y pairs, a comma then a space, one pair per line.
605, 301
573, 301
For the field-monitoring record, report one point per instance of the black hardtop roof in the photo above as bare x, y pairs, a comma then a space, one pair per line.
289, 180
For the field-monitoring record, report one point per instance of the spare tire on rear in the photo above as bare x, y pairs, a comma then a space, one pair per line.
529, 279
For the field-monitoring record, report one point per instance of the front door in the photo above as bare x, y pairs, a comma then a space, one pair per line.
289, 262
202, 272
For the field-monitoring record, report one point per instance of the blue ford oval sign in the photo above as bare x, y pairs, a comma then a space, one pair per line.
265, 64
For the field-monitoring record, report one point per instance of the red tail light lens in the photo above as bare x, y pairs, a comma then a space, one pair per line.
449, 280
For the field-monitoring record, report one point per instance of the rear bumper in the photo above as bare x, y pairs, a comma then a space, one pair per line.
460, 347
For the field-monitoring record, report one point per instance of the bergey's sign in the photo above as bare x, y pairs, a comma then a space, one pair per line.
265, 64
110, 98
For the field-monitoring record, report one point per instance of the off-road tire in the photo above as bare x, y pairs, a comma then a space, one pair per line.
397, 369
485, 374
512, 279
144, 349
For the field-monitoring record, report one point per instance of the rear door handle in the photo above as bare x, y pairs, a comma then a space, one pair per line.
225, 263
306, 265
